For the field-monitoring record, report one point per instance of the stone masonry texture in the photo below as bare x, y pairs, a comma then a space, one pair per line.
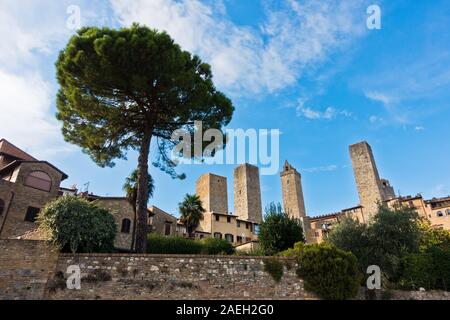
367, 177
247, 193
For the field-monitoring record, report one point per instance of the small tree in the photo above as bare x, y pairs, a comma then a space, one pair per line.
119, 89
279, 231
77, 225
392, 235
191, 210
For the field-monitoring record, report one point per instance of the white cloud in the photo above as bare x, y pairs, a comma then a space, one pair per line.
329, 168
313, 114
419, 128
300, 35
379, 97
26, 118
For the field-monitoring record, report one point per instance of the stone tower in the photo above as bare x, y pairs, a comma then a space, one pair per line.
212, 190
293, 202
247, 193
367, 178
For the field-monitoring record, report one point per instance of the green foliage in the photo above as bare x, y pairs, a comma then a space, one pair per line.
392, 235
430, 236
274, 267
158, 244
213, 246
293, 252
76, 224
429, 269
329, 272
191, 210
116, 83
278, 231
130, 187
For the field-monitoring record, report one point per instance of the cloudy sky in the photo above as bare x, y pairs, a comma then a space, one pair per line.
309, 68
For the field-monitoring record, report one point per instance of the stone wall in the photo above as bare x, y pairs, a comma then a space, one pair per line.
177, 277
25, 267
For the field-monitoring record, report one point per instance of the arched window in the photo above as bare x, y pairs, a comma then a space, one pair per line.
440, 214
229, 237
39, 180
126, 224
217, 235
2, 206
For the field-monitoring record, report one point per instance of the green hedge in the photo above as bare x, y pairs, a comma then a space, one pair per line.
158, 244
329, 272
215, 246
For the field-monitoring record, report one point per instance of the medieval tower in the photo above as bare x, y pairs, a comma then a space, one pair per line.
212, 190
371, 189
293, 202
247, 193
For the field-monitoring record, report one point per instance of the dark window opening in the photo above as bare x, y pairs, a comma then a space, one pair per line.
32, 214
229, 237
246, 226
239, 239
126, 224
168, 229
2, 206
217, 235
228, 219
238, 224
217, 217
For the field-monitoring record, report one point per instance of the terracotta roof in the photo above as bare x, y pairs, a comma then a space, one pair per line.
9, 149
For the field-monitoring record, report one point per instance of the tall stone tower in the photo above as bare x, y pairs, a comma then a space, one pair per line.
293, 201
247, 193
367, 178
212, 190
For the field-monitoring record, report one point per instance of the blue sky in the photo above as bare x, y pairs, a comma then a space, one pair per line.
311, 69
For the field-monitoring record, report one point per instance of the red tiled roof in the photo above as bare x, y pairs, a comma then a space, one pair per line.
8, 148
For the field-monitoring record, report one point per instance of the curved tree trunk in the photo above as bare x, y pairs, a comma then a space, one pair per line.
142, 192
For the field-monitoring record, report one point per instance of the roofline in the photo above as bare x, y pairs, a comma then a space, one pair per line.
19, 162
3, 139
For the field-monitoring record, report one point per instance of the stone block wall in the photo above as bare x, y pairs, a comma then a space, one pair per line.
25, 267
122, 276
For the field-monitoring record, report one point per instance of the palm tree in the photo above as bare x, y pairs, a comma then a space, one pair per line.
130, 188
191, 210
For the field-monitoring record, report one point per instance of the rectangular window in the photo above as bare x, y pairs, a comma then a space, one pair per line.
238, 224
168, 229
239, 239
217, 217
32, 214
246, 225
228, 219
251, 227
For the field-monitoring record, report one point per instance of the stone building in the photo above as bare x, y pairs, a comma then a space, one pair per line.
26, 185
217, 221
293, 201
374, 191
247, 193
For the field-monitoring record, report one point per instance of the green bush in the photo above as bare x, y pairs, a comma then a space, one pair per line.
293, 252
329, 272
213, 246
77, 225
158, 244
274, 267
429, 269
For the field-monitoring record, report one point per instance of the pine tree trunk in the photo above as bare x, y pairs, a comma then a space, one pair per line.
142, 192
